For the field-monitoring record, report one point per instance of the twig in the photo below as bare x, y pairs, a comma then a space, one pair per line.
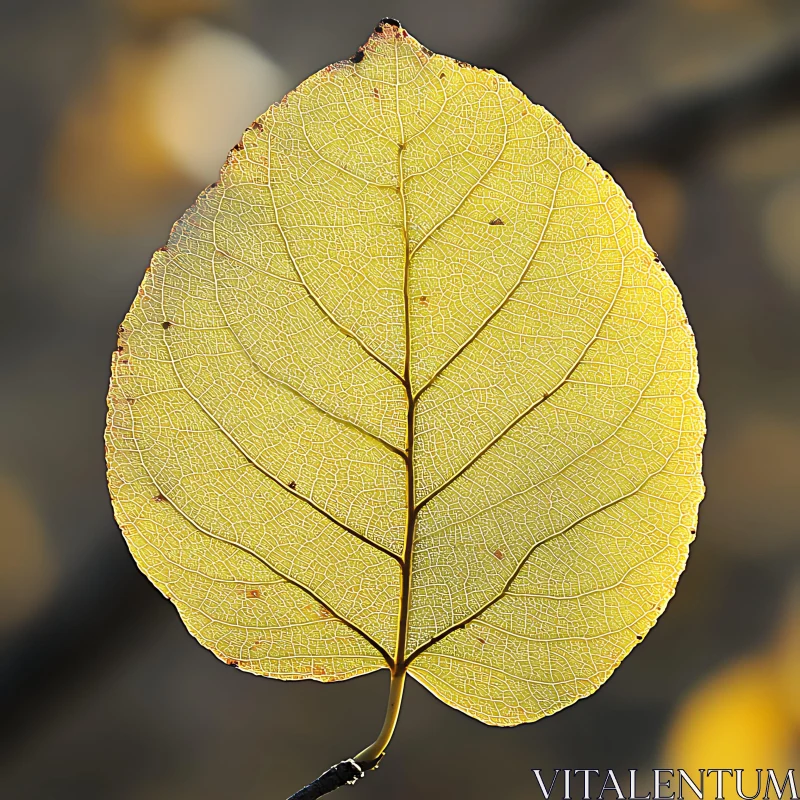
341, 774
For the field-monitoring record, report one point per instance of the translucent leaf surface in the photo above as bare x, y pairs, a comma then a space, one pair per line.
408, 388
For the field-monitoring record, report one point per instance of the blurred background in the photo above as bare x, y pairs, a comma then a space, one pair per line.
116, 113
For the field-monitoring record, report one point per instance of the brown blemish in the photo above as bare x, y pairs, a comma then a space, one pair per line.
257, 126
292, 485
162, 249
497, 221
130, 400
498, 554
358, 56
423, 300
159, 498
639, 636
482, 641
231, 662
166, 324
318, 670
441, 75
376, 94
253, 593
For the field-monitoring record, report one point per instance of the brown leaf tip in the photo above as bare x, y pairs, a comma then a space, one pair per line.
387, 21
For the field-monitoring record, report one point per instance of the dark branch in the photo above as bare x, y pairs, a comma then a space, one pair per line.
341, 774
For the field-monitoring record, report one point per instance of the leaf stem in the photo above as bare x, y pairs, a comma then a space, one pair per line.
351, 770
369, 757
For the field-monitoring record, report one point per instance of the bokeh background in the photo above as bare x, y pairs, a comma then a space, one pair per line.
115, 114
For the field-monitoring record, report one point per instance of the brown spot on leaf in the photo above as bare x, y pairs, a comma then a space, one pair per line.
159, 498
162, 249
318, 670
639, 636
231, 662
498, 554
497, 221
376, 94
292, 485
166, 324
358, 56
253, 593
482, 641
423, 300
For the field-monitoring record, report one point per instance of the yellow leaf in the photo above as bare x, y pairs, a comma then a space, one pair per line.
408, 388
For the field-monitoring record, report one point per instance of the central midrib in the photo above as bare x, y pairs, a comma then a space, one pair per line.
411, 515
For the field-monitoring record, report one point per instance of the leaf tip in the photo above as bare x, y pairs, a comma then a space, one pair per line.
387, 21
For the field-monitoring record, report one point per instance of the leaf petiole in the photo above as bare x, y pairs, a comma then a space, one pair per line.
349, 771
369, 758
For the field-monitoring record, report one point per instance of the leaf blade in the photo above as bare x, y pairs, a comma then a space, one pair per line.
407, 255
